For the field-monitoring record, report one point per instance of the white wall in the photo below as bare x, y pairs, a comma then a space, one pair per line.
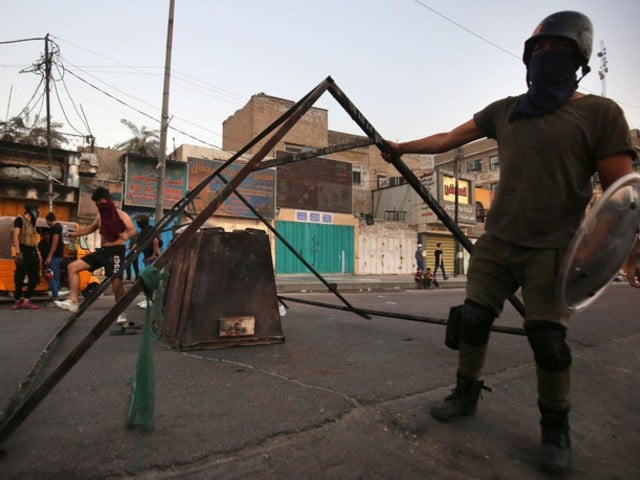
386, 248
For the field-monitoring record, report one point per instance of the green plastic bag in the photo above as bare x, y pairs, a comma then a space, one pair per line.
142, 404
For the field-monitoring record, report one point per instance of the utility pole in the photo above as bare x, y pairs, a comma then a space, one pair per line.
47, 83
457, 266
604, 68
164, 120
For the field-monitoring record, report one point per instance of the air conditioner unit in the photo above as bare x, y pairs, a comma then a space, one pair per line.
90, 158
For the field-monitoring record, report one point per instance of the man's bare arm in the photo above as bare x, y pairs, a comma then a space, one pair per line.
440, 142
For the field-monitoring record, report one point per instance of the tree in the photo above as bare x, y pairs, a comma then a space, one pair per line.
143, 142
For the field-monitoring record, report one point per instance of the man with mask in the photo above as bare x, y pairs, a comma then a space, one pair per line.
551, 141
25, 243
115, 228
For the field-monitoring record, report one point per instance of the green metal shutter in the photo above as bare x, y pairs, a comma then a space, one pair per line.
328, 248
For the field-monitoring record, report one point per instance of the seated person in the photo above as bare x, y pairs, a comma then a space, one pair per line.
418, 276
429, 279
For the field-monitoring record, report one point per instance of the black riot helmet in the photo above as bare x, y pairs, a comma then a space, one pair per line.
573, 26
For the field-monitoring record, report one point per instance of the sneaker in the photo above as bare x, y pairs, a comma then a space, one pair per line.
16, 305
28, 305
51, 303
67, 305
122, 320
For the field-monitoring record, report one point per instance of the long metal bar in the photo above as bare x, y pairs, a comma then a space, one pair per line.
316, 152
401, 316
409, 176
34, 399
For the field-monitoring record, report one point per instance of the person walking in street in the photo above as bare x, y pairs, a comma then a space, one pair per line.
52, 253
439, 257
115, 228
24, 238
551, 141
420, 254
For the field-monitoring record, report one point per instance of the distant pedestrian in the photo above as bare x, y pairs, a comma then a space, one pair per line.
25, 243
420, 256
439, 257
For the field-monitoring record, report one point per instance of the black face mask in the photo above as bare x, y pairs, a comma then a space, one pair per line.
551, 77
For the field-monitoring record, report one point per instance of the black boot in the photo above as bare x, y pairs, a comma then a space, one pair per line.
463, 401
555, 455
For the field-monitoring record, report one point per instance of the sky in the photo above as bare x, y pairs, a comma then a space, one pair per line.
412, 67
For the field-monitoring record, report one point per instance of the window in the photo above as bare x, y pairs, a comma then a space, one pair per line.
494, 163
383, 181
474, 166
356, 175
396, 181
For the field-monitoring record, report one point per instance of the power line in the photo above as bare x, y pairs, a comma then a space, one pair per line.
6, 42
122, 102
82, 117
141, 70
466, 29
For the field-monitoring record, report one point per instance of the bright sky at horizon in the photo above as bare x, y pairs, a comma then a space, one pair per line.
413, 67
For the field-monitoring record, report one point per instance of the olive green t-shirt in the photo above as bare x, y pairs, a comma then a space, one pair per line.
546, 165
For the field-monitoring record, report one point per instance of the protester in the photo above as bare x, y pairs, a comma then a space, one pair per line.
115, 228
152, 250
24, 238
52, 252
133, 267
551, 141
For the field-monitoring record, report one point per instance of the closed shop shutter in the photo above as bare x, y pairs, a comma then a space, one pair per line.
448, 249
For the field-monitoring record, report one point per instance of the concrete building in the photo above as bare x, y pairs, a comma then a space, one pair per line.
325, 206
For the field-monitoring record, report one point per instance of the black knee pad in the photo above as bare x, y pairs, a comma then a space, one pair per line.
550, 349
475, 324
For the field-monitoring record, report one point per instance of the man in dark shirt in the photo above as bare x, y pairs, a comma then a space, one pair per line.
551, 141
52, 258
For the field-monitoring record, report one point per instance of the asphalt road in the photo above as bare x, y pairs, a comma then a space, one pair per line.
343, 397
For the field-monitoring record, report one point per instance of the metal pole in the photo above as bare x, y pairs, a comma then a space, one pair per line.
47, 81
457, 252
164, 120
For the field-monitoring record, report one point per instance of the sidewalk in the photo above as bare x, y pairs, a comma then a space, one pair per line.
348, 282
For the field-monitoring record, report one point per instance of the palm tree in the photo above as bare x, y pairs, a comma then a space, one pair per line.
143, 142
20, 130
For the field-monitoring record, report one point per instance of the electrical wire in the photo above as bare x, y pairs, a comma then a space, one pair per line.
144, 114
466, 29
82, 117
64, 113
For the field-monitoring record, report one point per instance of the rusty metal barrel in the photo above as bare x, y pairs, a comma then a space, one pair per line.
221, 292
